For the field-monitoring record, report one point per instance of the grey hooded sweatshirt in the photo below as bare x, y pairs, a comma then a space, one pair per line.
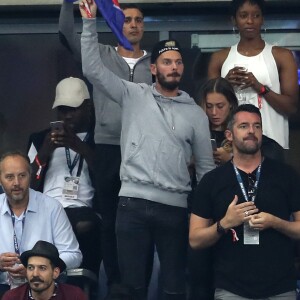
159, 134
108, 113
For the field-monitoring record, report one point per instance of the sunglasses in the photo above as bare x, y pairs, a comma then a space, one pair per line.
252, 189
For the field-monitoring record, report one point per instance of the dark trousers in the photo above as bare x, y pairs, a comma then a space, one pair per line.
142, 224
200, 271
107, 167
86, 225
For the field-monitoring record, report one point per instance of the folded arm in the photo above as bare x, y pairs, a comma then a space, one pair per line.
262, 221
204, 233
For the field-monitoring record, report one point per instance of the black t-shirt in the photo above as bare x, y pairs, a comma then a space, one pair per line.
252, 271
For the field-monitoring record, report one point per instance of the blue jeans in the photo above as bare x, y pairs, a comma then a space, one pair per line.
142, 224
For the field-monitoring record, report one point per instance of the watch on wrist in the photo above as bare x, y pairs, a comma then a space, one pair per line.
220, 229
264, 90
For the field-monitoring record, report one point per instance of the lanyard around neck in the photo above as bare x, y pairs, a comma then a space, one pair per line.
71, 165
240, 181
13, 219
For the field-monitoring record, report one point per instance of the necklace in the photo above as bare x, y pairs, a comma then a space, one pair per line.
249, 51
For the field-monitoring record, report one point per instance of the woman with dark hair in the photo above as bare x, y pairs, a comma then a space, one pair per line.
262, 74
218, 100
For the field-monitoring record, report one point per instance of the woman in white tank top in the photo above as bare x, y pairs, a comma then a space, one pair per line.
261, 74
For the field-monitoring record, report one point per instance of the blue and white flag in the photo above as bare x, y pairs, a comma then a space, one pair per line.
114, 17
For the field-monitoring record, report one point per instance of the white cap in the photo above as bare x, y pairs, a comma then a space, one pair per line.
71, 92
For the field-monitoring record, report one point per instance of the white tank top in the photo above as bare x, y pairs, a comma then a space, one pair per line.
264, 68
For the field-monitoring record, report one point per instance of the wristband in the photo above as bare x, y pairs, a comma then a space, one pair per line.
264, 89
87, 10
38, 173
220, 229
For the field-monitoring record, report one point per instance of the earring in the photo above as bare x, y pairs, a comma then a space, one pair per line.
263, 32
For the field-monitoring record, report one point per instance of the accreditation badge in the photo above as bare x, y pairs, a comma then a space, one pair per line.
251, 235
71, 187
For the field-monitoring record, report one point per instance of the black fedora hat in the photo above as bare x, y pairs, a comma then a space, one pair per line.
44, 249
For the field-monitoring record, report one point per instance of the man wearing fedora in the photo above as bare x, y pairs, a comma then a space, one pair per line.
26, 216
62, 160
43, 267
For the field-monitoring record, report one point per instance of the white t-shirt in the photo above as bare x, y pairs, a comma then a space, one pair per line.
132, 61
58, 169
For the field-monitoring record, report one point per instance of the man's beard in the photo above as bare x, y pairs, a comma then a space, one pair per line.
39, 288
243, 148
168, 85
18, 198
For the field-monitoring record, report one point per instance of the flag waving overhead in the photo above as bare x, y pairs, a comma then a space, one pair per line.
114, 17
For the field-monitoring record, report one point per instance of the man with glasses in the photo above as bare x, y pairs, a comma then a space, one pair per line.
243, 209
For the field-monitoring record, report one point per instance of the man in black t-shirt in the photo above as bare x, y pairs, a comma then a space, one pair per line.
243, 209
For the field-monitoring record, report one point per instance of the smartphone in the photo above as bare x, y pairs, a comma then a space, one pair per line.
213, 144
57, 125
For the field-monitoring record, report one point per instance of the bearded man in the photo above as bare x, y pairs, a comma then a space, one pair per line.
162, 127
244, 209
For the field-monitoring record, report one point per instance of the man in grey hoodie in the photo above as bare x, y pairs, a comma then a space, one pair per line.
162, 127
130, 65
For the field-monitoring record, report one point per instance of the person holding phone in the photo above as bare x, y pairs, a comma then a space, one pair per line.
269, 81
62, 159
218, 100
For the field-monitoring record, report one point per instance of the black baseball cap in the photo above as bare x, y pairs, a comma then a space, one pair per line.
163, 46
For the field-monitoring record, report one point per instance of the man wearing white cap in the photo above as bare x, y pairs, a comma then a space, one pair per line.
62, 160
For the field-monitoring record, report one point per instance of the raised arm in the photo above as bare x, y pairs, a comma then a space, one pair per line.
69, 37
93, 68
